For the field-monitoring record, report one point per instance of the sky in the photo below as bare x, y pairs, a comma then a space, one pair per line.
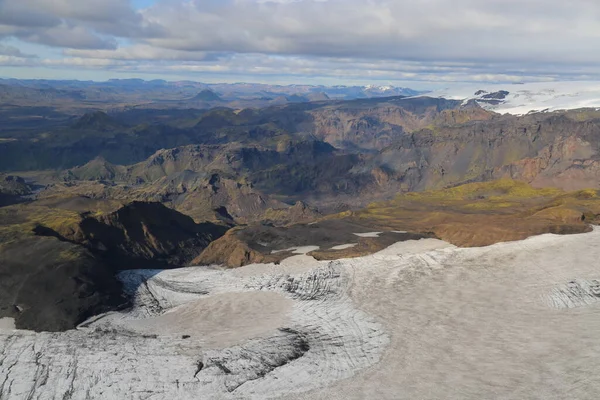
415, 43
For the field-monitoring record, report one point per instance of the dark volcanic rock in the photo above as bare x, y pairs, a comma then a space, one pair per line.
49, 285
12, 188
141, 235
496, 95
58, 265
14, 185
207, 95
149, 232
97, 120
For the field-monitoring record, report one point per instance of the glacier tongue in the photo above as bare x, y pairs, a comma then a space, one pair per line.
193, 334
420, 319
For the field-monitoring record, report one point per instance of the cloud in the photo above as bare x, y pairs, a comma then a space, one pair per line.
491, 30
20, 14
44, 13
76, 37
14, 61
11, 51
143, 52
89, 24
377, 39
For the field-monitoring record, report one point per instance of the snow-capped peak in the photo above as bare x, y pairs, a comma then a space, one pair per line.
380, 88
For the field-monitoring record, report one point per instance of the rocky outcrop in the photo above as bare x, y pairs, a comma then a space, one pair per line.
232, 251
206, 95
14, 185
140, 235
58, 265
96, 170
566, 163
537, 148
51, 285
360, 125
270, 244
12, 189
296, 214
199, 195
99, 121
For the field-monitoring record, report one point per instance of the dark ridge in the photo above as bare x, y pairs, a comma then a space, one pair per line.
206, 95
97, 120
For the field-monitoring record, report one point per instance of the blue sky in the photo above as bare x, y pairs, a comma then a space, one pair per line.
137, 4
417, 43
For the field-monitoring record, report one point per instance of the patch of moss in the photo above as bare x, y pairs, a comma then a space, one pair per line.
69, 255
498, 191
586, 114
56, 219
478, 214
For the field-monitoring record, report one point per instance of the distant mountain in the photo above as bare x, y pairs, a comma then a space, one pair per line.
317, 96
97, 120
206, 95
124, 93
364, 92
18, 94
296, 98
96, 170
386, 91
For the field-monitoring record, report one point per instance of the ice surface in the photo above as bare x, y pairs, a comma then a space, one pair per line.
7, 324
298, 250
202, 333
420, 319
344, 246
524, 98
369, 234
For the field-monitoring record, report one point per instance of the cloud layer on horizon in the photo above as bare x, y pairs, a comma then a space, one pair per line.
427, 40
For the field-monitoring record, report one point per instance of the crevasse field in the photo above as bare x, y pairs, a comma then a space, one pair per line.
418, 320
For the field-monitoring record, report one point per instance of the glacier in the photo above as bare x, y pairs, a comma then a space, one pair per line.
419, 319
527, 97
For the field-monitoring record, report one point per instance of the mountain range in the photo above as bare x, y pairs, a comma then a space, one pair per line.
120, 94
92, 187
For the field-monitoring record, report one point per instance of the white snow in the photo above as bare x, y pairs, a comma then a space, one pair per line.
298, 250
305, 249
344, 246
421, 319
529, 97
368, 234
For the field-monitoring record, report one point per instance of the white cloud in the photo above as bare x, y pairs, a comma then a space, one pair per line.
141, 52
6, 50
379, 39
496, 30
